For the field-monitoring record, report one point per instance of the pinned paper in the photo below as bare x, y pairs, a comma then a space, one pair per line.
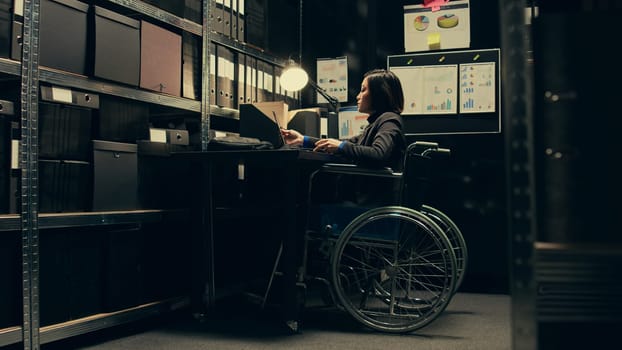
435, 5
451, 20
434, 41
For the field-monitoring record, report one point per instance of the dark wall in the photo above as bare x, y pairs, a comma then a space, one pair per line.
470, 185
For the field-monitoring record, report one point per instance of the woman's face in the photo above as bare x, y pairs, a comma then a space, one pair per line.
363, 99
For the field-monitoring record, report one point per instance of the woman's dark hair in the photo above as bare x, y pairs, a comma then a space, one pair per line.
385, 90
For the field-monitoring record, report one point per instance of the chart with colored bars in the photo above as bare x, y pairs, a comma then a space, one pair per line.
477, 87
439, 89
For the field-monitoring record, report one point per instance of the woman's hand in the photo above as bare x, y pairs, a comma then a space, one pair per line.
327, 145
292, 137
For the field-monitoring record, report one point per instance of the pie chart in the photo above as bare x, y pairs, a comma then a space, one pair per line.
447, 21
421, 23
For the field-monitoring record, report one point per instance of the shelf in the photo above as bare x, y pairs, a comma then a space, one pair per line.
106, 320
10, 335
10, 67
57, 77
224, 40
224, 112
161, 15
10, 222
57, 220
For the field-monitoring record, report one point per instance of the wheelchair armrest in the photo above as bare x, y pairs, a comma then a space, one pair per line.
352, 169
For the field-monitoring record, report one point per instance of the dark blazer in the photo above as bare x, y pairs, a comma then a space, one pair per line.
381, 144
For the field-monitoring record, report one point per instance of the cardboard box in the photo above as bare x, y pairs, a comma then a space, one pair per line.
160, 59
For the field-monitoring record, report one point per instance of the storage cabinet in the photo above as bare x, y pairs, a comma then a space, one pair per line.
96, 222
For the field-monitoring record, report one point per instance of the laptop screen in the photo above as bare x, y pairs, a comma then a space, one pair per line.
260, 125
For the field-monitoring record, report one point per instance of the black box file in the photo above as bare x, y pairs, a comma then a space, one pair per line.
64, 132
63, 35
121, 120
115, 46
115, 179
62, 185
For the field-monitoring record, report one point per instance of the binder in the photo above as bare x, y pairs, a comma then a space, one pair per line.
234, 19
256, 22
268, 81
252, 68
241, 79
224, 76
217, 16
261, 89
212, 73
193, 10
249, 92
191, 66
278, 92
241, 22
16, 41
226, 18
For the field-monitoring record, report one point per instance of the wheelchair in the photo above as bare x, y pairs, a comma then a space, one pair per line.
393, 268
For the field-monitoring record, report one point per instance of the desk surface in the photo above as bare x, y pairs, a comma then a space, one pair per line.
287, 154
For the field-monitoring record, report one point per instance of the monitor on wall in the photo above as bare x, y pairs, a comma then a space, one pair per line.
451, 92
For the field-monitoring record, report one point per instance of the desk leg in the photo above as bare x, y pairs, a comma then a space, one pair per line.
203, 243
292, 237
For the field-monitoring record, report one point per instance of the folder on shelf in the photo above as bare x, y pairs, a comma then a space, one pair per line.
226, 18
241, 22
268, 81
224, 76
261, 91
234, 19
212, 73
217, 16
251, 79
16, 41
191, 66
241, 79
278, 91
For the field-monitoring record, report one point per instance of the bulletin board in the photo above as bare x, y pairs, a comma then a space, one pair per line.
450, 92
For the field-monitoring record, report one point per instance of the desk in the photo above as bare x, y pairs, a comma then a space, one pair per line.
290, 163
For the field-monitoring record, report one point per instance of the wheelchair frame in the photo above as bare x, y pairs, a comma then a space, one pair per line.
393, 268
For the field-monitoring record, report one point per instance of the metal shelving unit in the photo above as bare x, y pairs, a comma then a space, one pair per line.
518, 119
28, 222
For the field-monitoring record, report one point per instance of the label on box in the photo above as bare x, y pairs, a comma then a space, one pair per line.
157, 135
61, 95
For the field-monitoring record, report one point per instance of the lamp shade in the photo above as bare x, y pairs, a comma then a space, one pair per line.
293, 78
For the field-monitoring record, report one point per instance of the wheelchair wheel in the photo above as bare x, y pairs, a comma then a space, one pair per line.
455, 237
393, 269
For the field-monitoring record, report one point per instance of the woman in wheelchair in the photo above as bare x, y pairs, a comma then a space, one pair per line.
381, 144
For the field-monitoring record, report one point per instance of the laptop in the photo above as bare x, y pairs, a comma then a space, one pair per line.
257, 124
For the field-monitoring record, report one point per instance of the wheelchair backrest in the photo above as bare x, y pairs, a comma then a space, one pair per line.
416, 177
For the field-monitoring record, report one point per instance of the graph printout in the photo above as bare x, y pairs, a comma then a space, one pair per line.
439, 90
477, 87
450, 92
